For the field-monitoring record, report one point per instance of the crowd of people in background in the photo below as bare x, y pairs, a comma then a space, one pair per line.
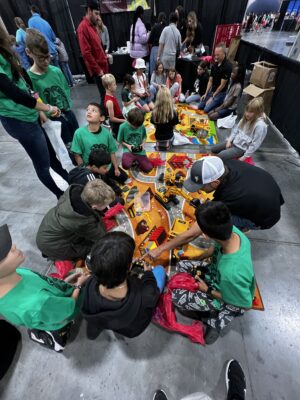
35, 87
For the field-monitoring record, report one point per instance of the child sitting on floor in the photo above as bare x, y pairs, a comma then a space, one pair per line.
200, 84
111, 103
43, 304
69, 230
132, 135
114, 299
158, 79
97, 168
232, 96
50, 83
228, 283
141, 86
94, 135
129, 99
247, 135
164, 117
174, 84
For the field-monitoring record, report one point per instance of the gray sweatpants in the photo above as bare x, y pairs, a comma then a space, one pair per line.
227, 154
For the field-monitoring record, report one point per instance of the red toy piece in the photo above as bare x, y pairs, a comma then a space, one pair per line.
62, 268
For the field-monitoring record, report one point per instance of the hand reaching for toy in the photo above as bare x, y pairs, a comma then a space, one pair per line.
155, 253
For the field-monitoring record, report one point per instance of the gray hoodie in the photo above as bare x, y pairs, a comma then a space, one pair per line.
249, 141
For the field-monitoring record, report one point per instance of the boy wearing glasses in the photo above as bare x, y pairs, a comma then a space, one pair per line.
50, 83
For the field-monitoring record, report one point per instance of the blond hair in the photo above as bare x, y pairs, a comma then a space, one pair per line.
163, 110
97, 192
20, 23
108, 80
190, 32
257, 107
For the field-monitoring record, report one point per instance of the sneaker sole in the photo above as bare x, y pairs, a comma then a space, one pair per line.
226, 375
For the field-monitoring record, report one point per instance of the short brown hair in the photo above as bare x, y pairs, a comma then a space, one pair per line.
36, 41
136, 117
107, 80
97, 192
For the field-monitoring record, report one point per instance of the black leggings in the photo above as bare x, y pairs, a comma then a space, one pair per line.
38, 147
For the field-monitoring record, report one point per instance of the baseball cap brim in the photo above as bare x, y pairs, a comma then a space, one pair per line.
5, 241
191, 186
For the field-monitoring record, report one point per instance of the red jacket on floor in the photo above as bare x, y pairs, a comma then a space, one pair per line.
91, 48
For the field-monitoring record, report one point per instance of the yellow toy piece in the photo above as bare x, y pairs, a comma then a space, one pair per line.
179, 226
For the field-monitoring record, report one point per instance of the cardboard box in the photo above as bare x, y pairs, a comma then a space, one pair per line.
267, 94
263, 74
233, 47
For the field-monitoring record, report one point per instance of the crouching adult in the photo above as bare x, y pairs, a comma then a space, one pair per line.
69, 230
227, 283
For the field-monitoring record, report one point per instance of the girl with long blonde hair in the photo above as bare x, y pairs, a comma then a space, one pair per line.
247, 135
194, 32
164, 118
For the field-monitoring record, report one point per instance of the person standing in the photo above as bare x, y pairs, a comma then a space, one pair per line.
218, 81
91, 47
169, 43
154, 40
40, 24
138, 35
20, 40
104, 35
181, 24
63, 59
19, 117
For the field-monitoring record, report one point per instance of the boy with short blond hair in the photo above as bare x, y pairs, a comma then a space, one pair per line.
68, 230
111, 103
50, 83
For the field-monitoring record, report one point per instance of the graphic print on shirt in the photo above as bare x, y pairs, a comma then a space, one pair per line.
55, 95
99, 146
134, 138
57, 283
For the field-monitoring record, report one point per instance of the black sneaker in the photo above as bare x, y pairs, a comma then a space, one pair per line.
211, 335
54, 340
160, 395
235, 381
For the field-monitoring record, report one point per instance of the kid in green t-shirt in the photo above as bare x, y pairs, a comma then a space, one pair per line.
92, 136
132, 136
227, 283
43, 304
50, 83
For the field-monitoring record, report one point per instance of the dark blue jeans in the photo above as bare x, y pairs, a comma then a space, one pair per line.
243, 223
37, 145
216, 102
64, 66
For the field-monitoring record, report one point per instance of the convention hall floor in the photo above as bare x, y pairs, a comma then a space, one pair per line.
265, 343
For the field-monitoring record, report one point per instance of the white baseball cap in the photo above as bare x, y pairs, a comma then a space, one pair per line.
204, 171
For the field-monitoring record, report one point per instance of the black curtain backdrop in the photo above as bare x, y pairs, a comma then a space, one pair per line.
62, 13
285, 105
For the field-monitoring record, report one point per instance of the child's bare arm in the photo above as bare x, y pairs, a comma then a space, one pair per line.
78, 159
111, 113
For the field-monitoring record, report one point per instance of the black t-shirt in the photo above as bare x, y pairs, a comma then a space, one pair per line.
251, 192
155, 34
200, 84
219, 72
165, 131
198, 38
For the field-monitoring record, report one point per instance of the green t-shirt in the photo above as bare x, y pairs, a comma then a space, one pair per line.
52, 88
232, 274
84, 140
130, 135
39, 302
8, 108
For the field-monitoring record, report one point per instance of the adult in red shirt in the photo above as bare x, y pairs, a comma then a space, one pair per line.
91, 47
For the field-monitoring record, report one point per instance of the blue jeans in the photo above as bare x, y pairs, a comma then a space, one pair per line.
193, 98
54, 60
217, 101
37, 145
64, 65
153, 92
153, 60
160, 276
243, 223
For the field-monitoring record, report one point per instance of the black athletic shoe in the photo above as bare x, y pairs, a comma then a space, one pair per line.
54, 340
160, 395
235, 381
211, 335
